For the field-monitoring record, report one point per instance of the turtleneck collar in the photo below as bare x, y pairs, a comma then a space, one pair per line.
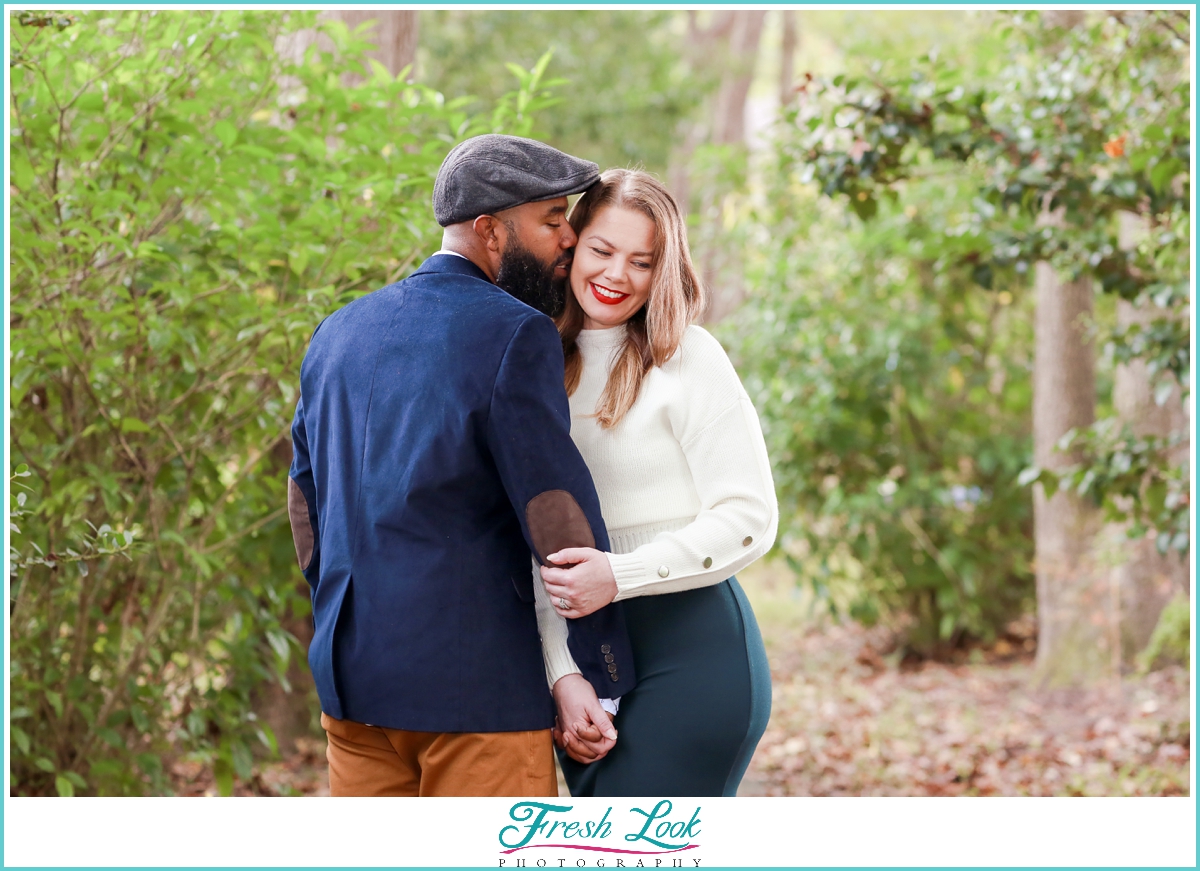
600, 340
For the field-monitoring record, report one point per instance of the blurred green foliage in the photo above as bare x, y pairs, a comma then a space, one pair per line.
873, 343
1171, 642
627, 85
187, 204
1092, 120
1088, 121
895, 401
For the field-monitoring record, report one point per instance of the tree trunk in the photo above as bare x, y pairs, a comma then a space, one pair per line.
1147, 579
394, 34
1074, 597
730, 44
1077, 601
737, 74
787, 57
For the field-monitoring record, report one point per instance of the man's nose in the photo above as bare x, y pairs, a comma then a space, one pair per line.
568, 238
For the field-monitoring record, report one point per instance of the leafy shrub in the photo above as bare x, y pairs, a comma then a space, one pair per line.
1091, 121
895, 403
187, 204
889, 366
1171, 641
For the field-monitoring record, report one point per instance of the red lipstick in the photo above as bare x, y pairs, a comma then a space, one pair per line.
607, 300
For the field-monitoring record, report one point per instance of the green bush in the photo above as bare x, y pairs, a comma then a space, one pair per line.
1091, 121
1171, 641
895, 401
626, 71
187, 204
887, 359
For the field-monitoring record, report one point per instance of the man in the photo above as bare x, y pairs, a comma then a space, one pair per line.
432, 454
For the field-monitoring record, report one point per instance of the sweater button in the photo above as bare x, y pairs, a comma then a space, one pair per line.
663, 571
708, 562
747, 541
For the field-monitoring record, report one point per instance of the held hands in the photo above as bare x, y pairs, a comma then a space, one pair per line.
579, 581
583, 728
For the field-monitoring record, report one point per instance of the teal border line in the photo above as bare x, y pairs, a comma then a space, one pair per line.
682, 4
581, 7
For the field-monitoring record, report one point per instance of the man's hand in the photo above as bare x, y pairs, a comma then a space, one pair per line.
580, 581
583, 729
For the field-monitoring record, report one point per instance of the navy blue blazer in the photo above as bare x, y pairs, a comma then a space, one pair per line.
431, 455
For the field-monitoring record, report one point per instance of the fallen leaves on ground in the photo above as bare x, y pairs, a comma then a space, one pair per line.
847, 720
302, 772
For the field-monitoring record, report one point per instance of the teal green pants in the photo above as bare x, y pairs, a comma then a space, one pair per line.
701, 703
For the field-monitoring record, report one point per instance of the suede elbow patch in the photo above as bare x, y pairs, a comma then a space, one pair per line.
556, 521
302, 531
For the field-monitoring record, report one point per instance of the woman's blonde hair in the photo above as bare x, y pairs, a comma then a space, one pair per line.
654, 332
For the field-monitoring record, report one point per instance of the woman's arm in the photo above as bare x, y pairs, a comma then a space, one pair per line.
583, 727
722, 441
737, 522
553, 630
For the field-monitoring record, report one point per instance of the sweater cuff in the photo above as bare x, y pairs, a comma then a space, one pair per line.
559, 664
628, 569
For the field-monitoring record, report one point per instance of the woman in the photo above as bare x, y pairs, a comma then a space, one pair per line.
678, 457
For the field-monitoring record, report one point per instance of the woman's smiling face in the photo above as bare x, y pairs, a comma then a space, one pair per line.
613, 266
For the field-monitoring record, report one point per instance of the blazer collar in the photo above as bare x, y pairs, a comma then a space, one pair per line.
443, 263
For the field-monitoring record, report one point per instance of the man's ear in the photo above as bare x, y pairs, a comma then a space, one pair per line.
491, 231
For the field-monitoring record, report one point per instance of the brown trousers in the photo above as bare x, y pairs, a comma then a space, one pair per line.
371, 760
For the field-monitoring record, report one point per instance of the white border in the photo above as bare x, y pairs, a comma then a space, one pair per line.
746, 832
456, 832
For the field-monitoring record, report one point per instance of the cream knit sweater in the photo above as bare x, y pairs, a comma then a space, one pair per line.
684, 480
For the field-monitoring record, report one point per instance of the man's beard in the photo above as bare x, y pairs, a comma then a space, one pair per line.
530, 280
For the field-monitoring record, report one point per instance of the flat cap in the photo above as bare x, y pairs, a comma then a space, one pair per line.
487, 174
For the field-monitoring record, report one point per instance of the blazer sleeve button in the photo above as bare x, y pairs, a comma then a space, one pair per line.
615, 677
604, 648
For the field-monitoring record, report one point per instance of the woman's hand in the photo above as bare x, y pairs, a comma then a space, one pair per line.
580, 581
582, 727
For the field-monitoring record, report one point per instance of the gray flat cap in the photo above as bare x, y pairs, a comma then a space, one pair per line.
487, 174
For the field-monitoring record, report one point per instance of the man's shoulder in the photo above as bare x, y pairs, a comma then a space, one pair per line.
484, 306
353, 314
431, 291
479, 290
475, 311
